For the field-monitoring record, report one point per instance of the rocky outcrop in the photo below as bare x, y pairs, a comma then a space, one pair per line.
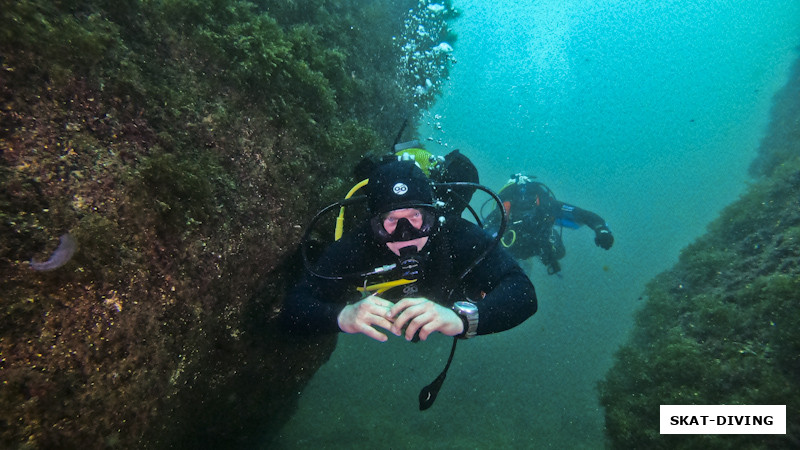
183, 147
723, 325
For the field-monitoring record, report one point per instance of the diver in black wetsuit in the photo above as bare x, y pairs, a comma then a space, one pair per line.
534, 213
439, 278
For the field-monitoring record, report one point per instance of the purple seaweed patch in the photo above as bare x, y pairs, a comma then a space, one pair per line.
66, 248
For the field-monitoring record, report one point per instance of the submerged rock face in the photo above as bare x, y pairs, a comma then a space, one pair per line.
183, 148
723, 326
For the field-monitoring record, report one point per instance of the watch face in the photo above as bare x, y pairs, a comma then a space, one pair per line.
467, 307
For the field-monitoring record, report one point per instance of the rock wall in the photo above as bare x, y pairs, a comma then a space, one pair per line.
723, 325
183, 146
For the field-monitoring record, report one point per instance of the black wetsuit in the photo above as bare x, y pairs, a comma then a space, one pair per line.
534, 214
504, 294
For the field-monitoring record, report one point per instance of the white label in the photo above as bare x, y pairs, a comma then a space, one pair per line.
723, 419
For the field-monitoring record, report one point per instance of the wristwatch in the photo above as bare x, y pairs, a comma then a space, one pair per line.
468, 312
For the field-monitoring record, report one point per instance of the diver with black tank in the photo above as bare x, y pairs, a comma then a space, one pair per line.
536, 220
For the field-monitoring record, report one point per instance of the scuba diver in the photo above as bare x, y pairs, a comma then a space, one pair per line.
412, 268
536, 220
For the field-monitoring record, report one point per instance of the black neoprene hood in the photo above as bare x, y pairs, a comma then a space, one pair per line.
398, 185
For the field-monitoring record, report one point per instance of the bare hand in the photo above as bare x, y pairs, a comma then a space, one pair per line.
363, 316
425, 316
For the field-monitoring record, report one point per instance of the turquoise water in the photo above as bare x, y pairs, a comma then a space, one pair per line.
647, 113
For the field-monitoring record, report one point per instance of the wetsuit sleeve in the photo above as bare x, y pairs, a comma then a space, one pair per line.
307, 311
573, 217
509, 299
313, 305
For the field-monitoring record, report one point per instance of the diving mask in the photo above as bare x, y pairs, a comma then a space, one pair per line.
403, 229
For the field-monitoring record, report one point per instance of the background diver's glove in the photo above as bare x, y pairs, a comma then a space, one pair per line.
603, 237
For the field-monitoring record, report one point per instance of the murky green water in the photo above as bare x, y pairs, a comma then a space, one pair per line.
647, 113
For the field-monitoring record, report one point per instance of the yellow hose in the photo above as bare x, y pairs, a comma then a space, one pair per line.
513, 239
337, 234
385, 286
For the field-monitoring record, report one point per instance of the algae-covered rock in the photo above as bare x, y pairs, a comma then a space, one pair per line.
723, 325
182, 146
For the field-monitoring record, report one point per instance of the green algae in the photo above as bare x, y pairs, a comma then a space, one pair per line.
723, 325
184, 145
